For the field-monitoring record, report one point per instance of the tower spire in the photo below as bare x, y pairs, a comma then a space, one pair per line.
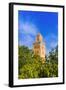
39, 37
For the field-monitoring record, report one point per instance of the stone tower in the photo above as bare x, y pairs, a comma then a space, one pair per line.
39, 47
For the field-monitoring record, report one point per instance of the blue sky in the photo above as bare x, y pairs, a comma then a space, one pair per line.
30, 23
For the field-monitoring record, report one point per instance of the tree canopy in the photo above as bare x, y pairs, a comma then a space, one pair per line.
31, 66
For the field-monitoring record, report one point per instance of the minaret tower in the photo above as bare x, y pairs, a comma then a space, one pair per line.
39, 47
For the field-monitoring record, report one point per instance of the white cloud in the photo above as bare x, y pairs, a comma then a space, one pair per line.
51, 41
28, 33
28, 28
27, 41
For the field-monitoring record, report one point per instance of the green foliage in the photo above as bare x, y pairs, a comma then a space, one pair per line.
31, 66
